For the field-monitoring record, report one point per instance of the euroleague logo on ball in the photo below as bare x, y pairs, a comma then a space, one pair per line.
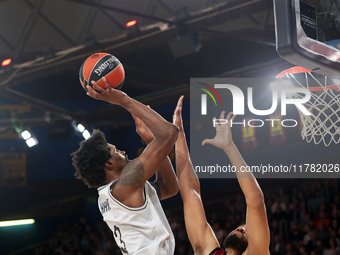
95, 56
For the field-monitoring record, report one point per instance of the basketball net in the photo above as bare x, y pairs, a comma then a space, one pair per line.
324, 123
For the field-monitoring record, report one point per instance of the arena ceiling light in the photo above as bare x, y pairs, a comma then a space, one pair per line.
29, 138
131, 23
6, 62
10, 223
132, 28
81, 129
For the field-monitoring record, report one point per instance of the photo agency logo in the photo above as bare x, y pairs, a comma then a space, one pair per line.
204, 97
259, 104
225, 90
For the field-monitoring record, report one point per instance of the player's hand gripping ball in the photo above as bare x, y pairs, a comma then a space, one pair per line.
100, 65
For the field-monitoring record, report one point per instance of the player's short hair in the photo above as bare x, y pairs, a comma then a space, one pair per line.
90, 158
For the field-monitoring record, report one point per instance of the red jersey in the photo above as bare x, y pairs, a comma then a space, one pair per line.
218, 251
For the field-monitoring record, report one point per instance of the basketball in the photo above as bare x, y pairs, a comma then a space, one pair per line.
100, 65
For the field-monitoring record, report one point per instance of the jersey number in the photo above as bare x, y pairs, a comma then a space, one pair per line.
116, 233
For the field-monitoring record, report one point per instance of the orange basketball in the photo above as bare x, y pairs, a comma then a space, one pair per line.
100, 65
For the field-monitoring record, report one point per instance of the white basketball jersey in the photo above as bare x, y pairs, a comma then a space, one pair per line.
144, 230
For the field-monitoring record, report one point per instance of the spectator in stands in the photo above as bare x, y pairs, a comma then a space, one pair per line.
277, 245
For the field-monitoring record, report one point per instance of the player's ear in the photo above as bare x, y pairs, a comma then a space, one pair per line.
109, 164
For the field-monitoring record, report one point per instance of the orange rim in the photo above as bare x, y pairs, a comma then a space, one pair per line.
299, 69
293, 70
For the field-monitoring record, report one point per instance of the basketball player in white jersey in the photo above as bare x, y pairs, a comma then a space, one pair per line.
128, 202
251, 238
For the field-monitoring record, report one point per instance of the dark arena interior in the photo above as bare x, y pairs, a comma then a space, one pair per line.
172, 41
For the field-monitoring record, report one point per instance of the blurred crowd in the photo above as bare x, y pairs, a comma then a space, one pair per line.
303, 218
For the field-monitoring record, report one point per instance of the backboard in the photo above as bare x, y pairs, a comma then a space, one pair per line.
308, 34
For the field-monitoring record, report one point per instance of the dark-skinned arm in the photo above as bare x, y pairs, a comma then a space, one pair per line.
258, 235
165, 182
200, 234
129, 187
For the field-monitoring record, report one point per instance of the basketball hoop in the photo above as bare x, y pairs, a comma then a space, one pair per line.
324, 123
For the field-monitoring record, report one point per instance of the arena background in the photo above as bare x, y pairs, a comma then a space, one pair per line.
49, 39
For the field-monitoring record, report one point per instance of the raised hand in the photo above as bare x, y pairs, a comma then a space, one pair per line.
177, 117
223, 137
143, 131
111, 95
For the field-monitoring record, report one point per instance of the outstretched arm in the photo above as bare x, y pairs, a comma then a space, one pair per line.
166, 179
201, 236
129, 187
158, 125
257, 224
